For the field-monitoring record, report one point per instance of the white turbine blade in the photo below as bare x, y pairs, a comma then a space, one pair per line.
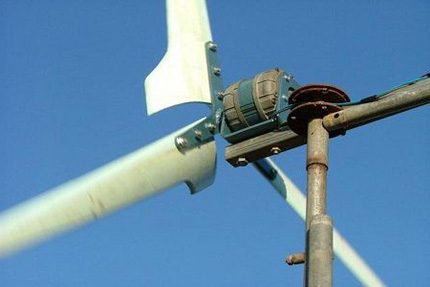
181, 76
343, 250
140, 174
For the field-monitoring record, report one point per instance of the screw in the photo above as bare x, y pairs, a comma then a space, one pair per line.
242, 161
275, 150
198, 134
181, 142
213, 47
211, 127
284, 97
217, 71
288, 77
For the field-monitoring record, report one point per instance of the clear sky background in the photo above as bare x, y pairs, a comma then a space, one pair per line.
71, 90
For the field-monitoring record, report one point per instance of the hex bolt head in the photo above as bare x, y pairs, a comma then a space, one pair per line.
198, 134
284, 98
275, 150
217, 71
242, 161
288, 77
181, 142
213, 47
211, 127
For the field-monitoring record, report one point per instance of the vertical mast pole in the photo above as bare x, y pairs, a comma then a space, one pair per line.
319, 227
312, 103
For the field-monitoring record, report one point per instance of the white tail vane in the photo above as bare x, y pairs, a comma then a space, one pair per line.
181, 76
120, 183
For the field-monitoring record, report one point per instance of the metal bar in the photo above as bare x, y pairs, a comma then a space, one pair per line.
351, 117
319, 229
296, 199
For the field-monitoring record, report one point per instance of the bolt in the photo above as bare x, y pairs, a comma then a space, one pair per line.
213, 47
275, 150
242, 161
288, 77
217, 71
198, 134
181, 142
284, 97
211, 127
220, 96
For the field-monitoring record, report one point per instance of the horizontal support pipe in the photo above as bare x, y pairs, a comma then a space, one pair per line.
393, 103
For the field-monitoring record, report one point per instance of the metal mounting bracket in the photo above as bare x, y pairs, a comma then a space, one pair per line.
205, 130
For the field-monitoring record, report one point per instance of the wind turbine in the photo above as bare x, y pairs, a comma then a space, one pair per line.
199, 172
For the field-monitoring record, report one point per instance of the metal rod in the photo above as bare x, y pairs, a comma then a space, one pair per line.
319, 228
297, 258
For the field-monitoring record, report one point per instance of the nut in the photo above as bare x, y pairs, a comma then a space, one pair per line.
275, 150
242, 161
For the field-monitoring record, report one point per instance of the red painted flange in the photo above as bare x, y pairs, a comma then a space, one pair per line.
299, 117
318, 92
313, 101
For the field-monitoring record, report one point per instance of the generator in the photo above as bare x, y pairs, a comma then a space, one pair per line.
256, 106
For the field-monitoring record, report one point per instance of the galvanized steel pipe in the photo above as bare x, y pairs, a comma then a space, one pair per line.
319, 228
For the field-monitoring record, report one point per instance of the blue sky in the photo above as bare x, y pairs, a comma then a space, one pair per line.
71, 87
